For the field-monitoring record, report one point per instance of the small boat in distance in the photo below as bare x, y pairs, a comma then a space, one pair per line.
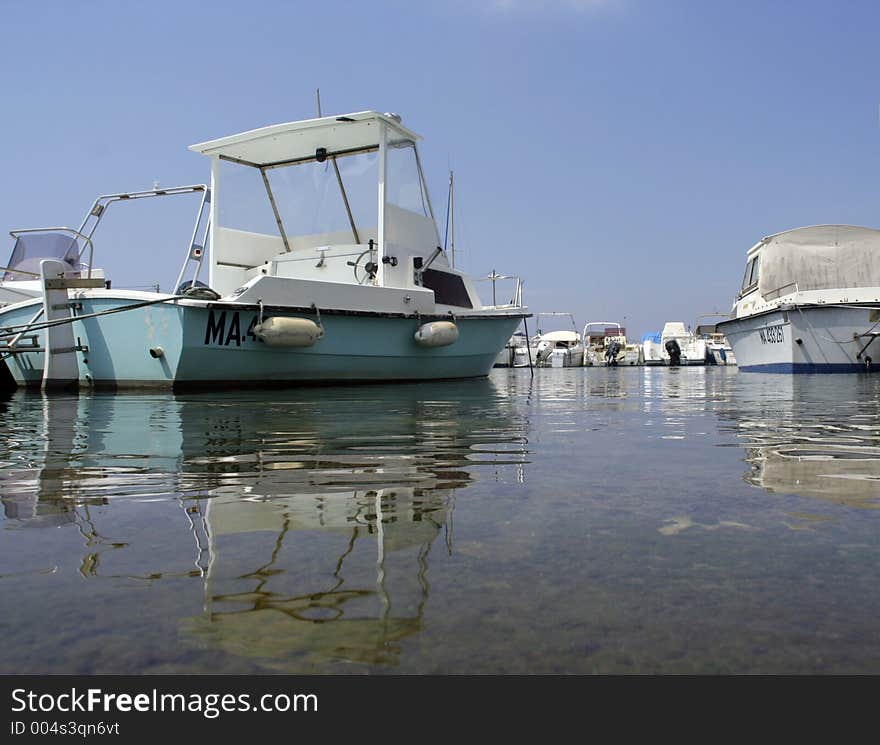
718, 349
562, 348
651, 348
605, 344
809, 302
675, 345
324, 264
515, 352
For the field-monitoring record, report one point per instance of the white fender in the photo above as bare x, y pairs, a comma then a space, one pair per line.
436, 334
288, 332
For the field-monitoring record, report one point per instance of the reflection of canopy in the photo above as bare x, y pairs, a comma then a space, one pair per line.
272, 635
412, 519
843, 474
267, 609
569, 336
819, 257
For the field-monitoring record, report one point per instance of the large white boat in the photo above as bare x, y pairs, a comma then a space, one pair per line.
324, 263
809, 302
675, 345
559, 348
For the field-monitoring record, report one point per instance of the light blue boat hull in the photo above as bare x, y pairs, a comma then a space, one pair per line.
214, 344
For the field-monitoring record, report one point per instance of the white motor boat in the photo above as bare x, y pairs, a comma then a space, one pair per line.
718, 349
809, 302
562, 348
605, 344
651, 349
324, 264
515, 352
675, 345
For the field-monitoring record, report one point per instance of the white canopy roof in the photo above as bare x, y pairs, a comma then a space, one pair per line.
819, 257
282, 143
569, 336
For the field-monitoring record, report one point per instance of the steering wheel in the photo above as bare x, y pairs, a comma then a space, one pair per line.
364, 272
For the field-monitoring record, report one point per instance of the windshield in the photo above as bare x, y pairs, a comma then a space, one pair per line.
31, 248
323, 199
307, 196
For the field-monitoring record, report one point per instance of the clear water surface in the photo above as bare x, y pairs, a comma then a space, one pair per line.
637, 520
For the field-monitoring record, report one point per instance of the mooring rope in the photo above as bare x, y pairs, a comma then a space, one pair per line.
10, 331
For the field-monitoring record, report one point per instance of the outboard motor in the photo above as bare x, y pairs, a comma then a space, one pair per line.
544, 349
612, 352
674, 352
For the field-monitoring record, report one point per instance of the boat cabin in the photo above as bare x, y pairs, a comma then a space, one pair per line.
339, 200
819, 263
600, 334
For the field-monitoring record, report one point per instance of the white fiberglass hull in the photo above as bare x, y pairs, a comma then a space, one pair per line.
631, 357
693, 353
806, 339
721, 355
559, 358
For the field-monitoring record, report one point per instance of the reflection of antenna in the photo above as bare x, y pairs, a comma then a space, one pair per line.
450, 526
380, 558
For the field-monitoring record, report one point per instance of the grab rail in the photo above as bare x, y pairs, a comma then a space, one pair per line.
99, 207
779, 289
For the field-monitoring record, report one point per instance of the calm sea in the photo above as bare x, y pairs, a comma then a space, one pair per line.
590, 520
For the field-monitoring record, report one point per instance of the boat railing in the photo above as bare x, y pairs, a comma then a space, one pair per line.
77, 235
552, 314
515, 301
19, 271
605, 326
777, 293
93, 217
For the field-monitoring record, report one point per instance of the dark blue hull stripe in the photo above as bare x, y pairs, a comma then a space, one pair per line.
808, 367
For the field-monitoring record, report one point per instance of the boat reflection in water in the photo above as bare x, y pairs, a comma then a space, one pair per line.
365, 590
311, 513
809, 439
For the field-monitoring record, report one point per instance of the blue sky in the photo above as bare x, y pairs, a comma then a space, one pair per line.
619, 155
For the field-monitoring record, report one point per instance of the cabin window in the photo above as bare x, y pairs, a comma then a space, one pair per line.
750, 280
756, 266
448, 288
403, 182
312, 202
308, 197
244, 205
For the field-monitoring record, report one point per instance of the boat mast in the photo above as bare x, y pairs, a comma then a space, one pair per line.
452, 218
450, 215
